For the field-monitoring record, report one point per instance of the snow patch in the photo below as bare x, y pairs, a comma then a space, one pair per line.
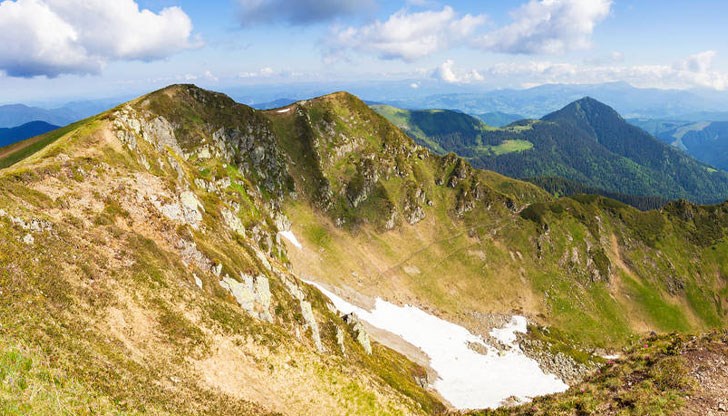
467, 379
288, 235
285, 110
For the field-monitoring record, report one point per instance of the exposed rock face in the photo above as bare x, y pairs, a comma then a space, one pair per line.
559, 364
233, 222
159, 132
253, 294
310, 319
306, 310
255, 153
340, 339
191, 208
360, 334
414, 198
361, 185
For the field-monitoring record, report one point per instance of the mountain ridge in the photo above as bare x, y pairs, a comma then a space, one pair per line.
159, 279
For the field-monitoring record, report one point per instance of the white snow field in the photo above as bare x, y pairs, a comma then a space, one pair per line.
288, 235
467, 379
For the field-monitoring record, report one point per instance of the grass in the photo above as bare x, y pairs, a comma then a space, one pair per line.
29, 385
651, 379
16, 152
508, 146
664, 316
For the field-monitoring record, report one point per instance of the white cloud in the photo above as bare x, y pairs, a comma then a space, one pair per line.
537, 27
447, 73
266, 72
693, 71
53, 37
548, 27
407, 36
207, 75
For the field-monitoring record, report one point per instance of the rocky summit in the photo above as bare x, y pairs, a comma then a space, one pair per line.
154, 260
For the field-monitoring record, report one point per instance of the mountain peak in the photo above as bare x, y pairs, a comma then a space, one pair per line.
585, 114
585, 109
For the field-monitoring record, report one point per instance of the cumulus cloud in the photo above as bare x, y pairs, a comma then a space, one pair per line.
548, 27
298, 12
53, 37
407, 36
537, 27
447, 73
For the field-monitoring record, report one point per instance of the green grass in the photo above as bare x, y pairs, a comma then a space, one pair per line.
508, 146
665, 316
26, 148
29, 385
652, 379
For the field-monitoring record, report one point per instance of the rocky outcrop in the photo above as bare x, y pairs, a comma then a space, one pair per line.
252, 294
360, 334
340, 339
306, 310
412, 204
363, 182
310, 319
559, 364
233, 221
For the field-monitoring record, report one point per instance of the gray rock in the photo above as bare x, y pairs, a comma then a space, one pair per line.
360, 334
252, 294
233, 221
310, 320
340, 339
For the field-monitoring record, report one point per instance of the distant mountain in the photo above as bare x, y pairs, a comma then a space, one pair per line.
13, 115
537, 101
280, 102
439, 130
34, 128
589, 143
499, 119
706, 141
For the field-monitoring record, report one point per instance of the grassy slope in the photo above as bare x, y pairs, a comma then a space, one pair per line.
103, 315
597, 269
655, 376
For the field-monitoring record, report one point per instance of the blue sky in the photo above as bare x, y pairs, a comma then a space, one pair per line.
72, 49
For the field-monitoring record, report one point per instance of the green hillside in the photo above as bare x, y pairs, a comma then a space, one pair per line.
590, 144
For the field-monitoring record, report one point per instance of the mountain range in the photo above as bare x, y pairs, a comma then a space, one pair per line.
586, 144
537, 101
14, 115
15, 134
705, 140
167, 257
